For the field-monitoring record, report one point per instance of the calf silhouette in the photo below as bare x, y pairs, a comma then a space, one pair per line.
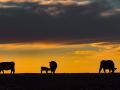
53, 66
107, 64
45, 69
7, 66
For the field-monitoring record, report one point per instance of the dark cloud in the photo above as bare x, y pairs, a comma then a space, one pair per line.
75, 24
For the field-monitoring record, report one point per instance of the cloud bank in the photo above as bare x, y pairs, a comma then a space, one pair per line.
65, 24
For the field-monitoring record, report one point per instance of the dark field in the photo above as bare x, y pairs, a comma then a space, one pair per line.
80, 81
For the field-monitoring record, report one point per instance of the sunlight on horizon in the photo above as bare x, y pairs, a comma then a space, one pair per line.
81, 58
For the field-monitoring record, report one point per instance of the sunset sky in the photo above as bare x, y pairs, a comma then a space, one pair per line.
77, 34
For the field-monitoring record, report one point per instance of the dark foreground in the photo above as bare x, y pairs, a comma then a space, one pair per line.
82, 81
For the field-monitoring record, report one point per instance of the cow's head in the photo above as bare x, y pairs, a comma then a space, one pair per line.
114, 70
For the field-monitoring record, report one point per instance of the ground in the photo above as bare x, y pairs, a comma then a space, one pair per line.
71, 81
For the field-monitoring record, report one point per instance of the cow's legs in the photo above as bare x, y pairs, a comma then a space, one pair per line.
110, 70
3, 71
41, 71
113, 70
100, 68
104, 70
54, 72
12, 71
51, 71
46, 71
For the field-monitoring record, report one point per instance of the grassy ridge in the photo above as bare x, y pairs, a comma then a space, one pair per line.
64, 81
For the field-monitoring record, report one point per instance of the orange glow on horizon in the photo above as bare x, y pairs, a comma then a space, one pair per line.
79, 58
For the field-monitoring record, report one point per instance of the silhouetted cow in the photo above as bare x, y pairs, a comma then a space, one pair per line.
7, 66
53, 66
107, 64
45, 69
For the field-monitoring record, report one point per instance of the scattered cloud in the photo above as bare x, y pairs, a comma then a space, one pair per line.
86, 52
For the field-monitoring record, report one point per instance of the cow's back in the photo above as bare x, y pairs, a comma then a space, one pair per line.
7, 65
107, 64
110, 63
